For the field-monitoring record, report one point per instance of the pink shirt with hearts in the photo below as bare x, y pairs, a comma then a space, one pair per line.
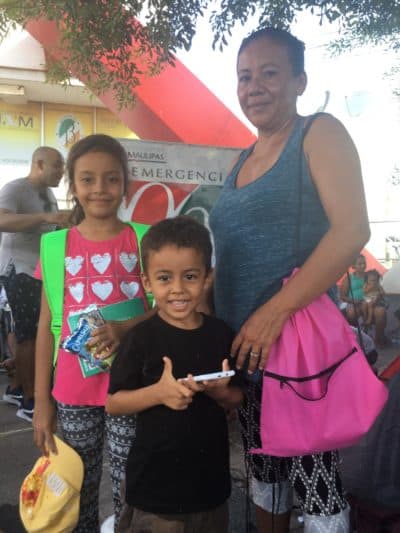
101, 273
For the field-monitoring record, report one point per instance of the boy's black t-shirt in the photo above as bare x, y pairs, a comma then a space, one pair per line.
179, 462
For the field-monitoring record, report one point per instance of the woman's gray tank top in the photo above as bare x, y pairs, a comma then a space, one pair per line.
257, 236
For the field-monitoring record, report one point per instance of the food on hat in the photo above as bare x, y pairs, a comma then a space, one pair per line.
33, 483
49, 495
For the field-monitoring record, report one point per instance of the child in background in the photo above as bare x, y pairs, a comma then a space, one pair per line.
177, 476
102, 267
353, 294
374, 295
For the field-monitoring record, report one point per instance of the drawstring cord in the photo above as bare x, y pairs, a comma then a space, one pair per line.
247, 489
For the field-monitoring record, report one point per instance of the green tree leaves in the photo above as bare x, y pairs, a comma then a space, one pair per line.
98, 31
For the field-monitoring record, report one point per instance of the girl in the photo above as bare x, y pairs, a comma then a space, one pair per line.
102, 267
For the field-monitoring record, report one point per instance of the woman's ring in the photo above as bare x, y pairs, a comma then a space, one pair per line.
254, 354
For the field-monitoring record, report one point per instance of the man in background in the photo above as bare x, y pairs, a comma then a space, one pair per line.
28, 208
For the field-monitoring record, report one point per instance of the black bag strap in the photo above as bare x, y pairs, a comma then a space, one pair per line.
307, 123
356, 313
306, 127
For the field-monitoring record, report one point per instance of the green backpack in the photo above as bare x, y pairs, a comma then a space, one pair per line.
52, 255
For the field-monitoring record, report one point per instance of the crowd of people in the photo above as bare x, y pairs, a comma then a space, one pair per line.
290, 199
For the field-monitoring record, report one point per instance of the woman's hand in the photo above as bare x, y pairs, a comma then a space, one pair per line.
258, 334
44, 425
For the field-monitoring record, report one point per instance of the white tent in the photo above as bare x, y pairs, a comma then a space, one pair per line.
391, 280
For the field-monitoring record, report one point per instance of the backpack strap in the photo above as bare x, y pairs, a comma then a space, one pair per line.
140, 230
52, 254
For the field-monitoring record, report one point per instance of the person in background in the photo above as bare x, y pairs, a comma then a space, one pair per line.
293, 199
367, 345
358, 308
374, 295
352, 293
177, 476
28, 208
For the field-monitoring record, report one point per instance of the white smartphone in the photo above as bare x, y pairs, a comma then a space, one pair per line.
214, 375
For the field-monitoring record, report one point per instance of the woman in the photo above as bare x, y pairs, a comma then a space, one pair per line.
261, 234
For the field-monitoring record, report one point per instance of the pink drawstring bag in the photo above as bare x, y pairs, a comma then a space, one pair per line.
319, 392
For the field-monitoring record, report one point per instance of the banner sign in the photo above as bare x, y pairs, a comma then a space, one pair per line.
19, 136
168, 179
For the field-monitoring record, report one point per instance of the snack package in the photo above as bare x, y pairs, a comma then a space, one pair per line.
76, 342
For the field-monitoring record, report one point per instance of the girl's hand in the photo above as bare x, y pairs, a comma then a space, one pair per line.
258, 334
106, 339
44, 426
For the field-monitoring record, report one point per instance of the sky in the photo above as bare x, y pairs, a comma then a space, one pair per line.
343, 75
360, 95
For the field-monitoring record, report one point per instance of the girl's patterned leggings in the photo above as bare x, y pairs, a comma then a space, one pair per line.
84, 429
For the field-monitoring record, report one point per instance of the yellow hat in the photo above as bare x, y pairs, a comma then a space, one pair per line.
49, 495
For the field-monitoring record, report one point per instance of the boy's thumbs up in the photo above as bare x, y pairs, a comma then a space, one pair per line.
167, 365
172, 393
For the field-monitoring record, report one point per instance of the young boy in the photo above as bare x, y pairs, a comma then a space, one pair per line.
178, 477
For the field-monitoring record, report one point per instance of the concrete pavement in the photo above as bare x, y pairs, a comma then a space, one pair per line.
18, 455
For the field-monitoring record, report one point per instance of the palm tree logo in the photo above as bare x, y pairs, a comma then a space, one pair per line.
69, 130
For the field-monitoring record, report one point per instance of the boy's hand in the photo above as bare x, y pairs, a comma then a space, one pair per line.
191, 384
218, 390
172, 393
217, 383
207, 386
